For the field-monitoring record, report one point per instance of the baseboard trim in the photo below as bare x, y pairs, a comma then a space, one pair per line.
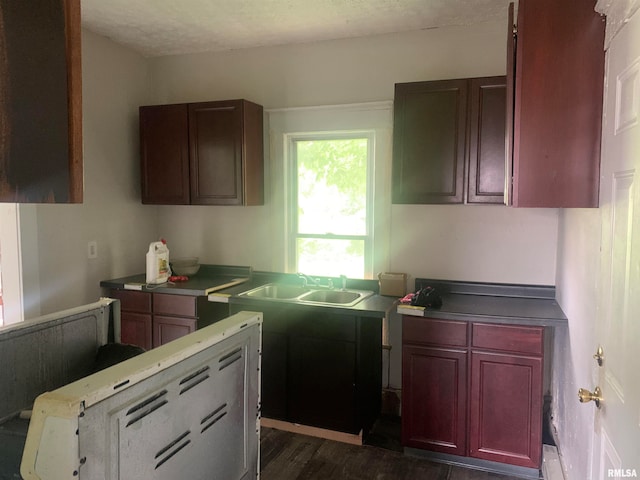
312, 431
475, 463
551, 466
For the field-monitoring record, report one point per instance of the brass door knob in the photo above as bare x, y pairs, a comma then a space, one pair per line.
585, 396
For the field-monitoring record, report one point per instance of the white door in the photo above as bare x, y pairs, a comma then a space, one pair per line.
616, 444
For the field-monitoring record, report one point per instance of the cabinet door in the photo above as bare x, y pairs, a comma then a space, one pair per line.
506, 408
135, 329
226, 153
429, 135
273, 396
434, 399
487, 140
166, 329
322, 390
558, 104
164, 154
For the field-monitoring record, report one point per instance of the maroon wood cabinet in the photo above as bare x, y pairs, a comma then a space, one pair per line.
208, 153
135, 317
506, 394
486, 146
434, 385
174, 316
153, 319
164, 154
448, 141
558, 83
429, 125
473, 389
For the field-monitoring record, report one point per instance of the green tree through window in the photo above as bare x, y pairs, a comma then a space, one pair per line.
331, 216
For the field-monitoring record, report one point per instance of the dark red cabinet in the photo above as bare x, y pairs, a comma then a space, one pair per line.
473, 389
434, 396
506, 408
448, 141
135, 318
164, 154
557, 76
153, 319
486, 147
208, 153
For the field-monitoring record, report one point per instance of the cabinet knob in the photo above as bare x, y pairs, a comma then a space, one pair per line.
585, 396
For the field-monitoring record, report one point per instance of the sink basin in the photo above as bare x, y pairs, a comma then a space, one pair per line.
306, 295
276, 291
331, 296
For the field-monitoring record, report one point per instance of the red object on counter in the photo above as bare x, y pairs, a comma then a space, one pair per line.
178, 278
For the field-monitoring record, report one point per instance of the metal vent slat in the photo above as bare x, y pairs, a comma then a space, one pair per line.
146, 407
217, 414
194, 379
229, 359
173, 448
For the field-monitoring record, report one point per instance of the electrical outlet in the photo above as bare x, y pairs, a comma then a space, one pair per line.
92, 249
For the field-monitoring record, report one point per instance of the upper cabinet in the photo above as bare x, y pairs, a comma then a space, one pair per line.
208, 153
557, 81
448, 141
40, 102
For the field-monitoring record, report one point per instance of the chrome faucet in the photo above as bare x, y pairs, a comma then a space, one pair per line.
344, 281
306, 279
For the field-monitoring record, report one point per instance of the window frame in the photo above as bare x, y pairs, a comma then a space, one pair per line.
293, 233
11, 258
376, 116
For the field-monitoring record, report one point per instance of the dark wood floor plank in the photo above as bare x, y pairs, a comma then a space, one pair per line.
290, 456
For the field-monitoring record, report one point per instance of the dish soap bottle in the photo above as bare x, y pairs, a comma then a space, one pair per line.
158, 262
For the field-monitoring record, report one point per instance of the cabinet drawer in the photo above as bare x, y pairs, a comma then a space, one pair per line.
133, 301
509, 338
168, 304
431, 331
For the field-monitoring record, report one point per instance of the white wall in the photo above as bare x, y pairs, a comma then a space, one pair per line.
115, 82
574, 346
496, 244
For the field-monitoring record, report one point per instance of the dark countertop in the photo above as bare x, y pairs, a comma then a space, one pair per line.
213, 281
494, 303
208, 279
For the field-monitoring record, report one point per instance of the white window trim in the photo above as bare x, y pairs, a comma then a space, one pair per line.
373, 116
11, 258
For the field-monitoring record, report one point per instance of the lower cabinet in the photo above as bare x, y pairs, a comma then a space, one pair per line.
473, 389
136, 329
434, 394
319, 368
153, 319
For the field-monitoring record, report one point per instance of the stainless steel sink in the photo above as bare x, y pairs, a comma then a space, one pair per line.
276, 291
331, 296
307, 295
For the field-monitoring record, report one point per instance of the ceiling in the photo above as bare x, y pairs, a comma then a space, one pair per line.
170, 27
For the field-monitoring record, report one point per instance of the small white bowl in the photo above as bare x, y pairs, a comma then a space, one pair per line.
185, 266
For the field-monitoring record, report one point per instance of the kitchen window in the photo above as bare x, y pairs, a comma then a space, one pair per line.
331, 204
329, 190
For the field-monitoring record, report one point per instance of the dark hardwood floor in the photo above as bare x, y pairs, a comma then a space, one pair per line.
290, 456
